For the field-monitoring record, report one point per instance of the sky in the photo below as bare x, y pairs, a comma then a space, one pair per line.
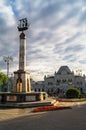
56, 36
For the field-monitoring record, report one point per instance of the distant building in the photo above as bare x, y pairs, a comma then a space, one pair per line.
63, 79
37, 86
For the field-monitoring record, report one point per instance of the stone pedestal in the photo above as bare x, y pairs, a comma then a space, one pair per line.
21, 81
22, 97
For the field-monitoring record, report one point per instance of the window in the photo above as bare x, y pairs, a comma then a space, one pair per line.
35, 89
42, 90
64, 80
69, 81
50, 83
58, 82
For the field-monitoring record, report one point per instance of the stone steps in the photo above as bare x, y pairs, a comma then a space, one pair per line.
49, 102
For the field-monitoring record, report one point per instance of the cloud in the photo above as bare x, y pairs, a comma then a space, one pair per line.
74, 48
56, 35
7, 15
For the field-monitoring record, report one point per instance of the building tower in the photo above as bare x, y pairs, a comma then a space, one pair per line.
22, 77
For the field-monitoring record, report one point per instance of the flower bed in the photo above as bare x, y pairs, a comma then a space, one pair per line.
50, 108
64, 100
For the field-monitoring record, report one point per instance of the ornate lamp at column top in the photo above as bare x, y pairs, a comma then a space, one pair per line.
23, 25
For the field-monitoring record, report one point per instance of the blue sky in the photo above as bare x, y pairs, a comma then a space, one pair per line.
56, 37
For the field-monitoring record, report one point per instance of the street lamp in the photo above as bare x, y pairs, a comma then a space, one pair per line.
8, 60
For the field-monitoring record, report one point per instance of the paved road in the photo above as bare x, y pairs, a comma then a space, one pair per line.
69, 119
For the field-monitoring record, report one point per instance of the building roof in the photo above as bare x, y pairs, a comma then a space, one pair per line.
50, 77
64, 69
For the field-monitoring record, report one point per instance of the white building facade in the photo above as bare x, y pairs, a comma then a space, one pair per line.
37, 86
63, 79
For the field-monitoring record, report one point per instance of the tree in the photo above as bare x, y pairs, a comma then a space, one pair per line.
72, 93
3, 79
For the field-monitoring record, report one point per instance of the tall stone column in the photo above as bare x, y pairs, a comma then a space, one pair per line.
22, 52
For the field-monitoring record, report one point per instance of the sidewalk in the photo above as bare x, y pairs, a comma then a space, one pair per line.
69, 103
6, 114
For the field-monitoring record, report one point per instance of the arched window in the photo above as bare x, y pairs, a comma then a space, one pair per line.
58, 82
64, 81
69, 81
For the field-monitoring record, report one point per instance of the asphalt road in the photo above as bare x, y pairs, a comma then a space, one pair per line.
69, 119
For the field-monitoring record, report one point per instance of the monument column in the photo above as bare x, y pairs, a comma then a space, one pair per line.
22, 52
22, 77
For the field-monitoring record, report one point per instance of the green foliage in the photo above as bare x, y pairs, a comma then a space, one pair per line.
3, 78
72, 93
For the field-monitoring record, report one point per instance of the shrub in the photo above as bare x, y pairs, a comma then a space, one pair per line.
72, 93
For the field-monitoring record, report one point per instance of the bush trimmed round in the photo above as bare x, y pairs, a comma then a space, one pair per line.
73, 93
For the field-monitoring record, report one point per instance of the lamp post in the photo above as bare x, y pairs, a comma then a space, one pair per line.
8, 60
